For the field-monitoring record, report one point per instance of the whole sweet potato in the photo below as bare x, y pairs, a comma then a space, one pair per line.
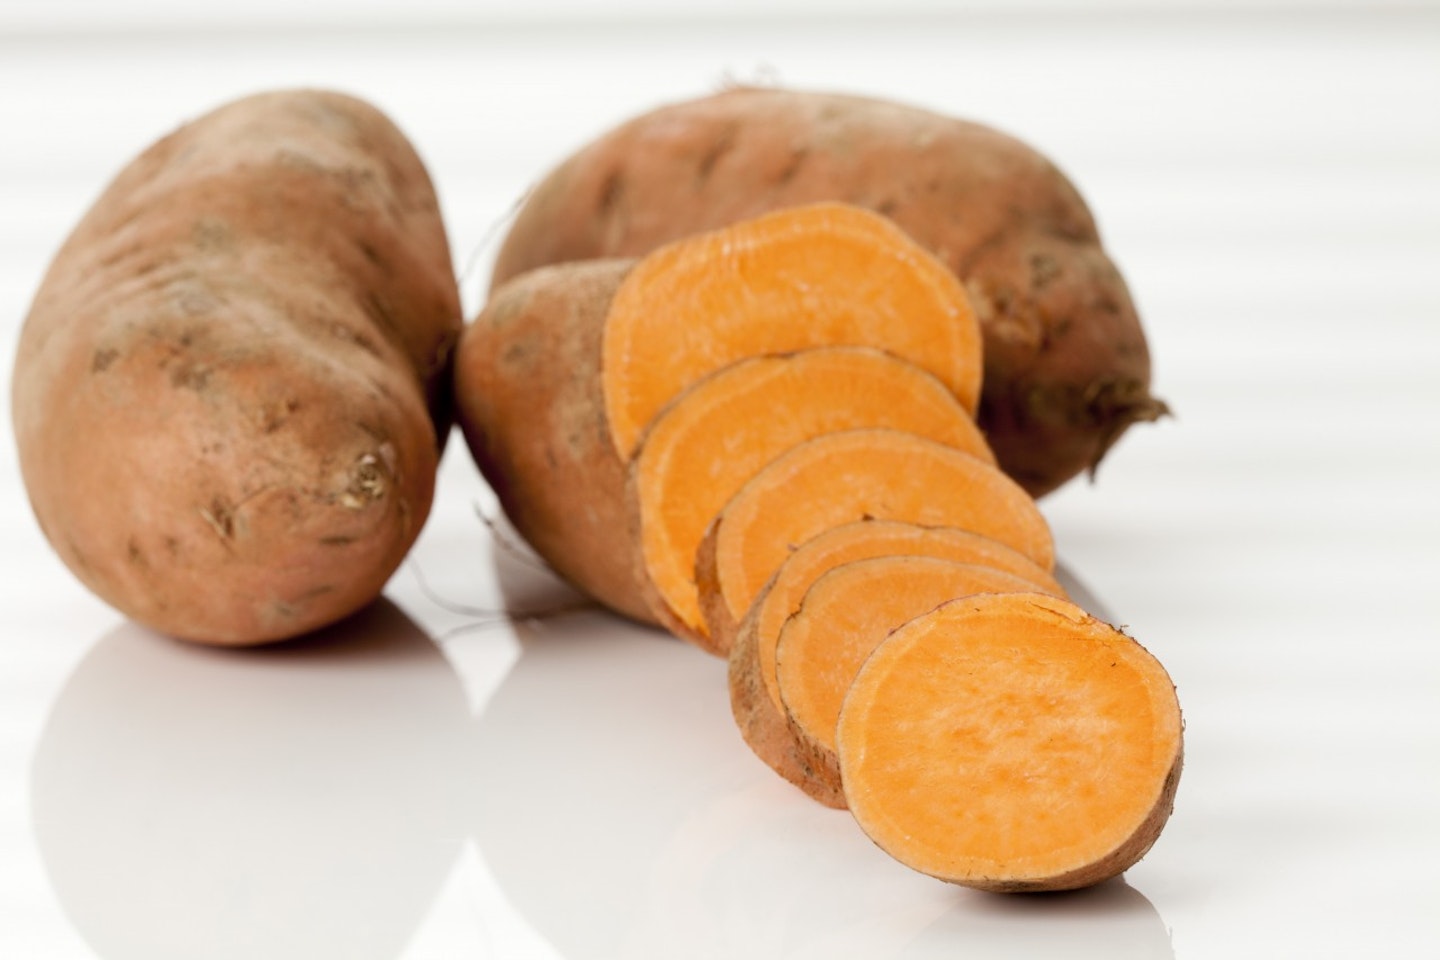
230, 393
1067, 367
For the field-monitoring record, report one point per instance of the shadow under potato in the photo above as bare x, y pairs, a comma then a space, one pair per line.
305, 799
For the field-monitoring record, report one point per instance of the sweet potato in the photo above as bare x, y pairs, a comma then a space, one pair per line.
231, 390
817, 275
847, 476
1011, 742
712, 438
844, 616
1067, 367
566, 368
754, 692
529, 402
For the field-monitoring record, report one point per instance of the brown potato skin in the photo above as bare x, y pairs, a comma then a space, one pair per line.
1067, 368
530, 404
232, 388
765, 729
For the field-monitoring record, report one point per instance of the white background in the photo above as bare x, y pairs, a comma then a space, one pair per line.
441, 782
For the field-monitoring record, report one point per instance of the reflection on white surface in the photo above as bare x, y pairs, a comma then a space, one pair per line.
305, 800
622, 815
315, 800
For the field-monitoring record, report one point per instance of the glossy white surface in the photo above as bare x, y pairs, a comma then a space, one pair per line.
435, 780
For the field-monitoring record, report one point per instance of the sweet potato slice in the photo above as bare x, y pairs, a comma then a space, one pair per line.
1011, 742
724, 429
817, 275
847, 476
844, 616
754, 692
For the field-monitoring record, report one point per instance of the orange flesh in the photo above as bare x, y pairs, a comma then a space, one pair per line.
845, 616
718, 434
1009, 739
883, 474
820, 275
863, 540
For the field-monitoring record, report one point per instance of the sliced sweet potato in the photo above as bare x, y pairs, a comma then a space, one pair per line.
845, 615
724, 429
754, 693
847, 476
1011, 742
566, 366
808, 276
1067, 368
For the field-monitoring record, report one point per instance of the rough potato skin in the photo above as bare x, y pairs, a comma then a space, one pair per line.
1067, 368
530, 404
231, 391
765, 729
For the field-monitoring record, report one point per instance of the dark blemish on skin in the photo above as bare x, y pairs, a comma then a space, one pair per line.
339, 540
134, 554
190, 377
611, 192
145, 269
81, 561
221, 518
887, 208
1043, 269
374, 433
514, 351
273, 418
102, 359
372, 254
172, 546
379, 312
711, 157
210, 233
797, 160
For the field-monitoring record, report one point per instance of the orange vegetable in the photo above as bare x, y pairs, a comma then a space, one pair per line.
754, 691
1011, 742
819, 275
842, 477
711, 439
844, 615
566, 368
1067, 368
233, 386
